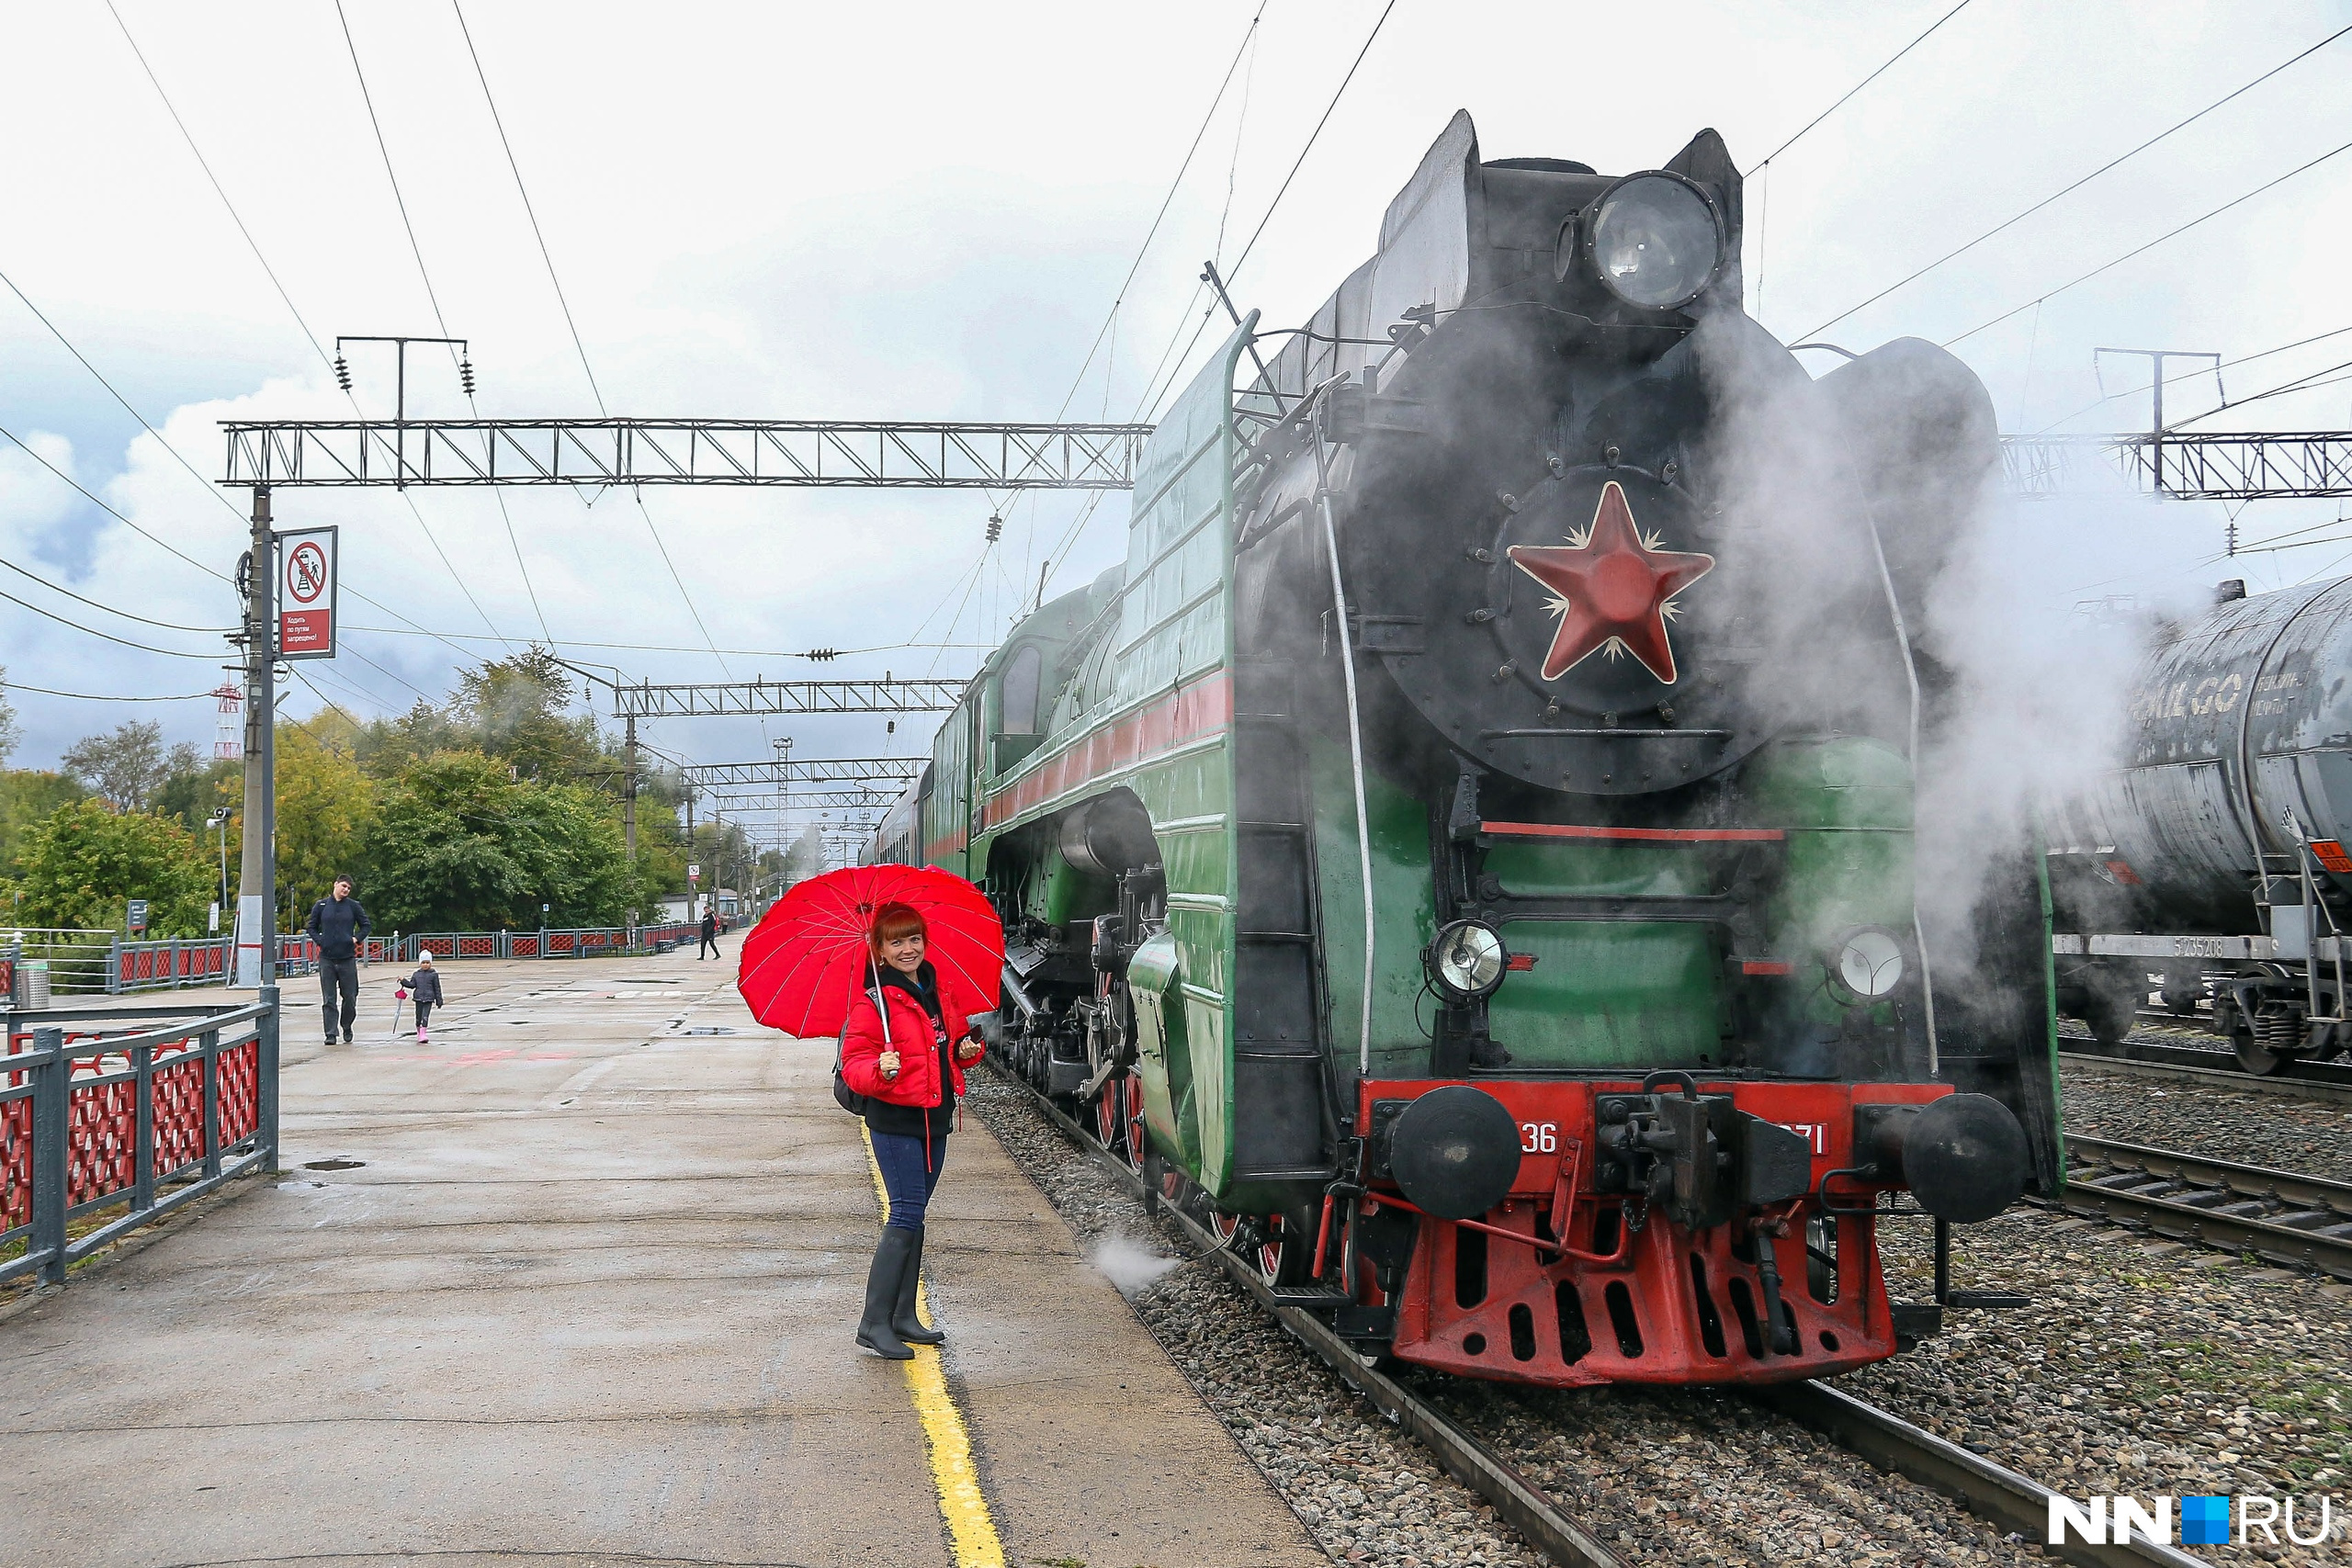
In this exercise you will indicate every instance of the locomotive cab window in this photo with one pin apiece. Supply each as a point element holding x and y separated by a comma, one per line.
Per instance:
<point>1017,701</point>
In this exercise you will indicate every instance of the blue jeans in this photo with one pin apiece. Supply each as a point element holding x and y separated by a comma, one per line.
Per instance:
<point>908,1177</point>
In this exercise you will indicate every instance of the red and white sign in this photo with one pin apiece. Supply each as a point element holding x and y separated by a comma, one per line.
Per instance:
<point>306,586</point>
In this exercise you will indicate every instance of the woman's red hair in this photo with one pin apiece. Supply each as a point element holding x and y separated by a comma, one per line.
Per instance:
<point>892,921</point>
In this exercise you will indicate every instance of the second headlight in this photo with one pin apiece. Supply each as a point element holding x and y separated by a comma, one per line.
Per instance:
<point>1467,959</point>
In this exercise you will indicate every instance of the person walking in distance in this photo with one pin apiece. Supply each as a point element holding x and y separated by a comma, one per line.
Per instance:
<point>709,935</point>
<point>905,1046</point>
<point>338,925</point>
<point>425,990</point>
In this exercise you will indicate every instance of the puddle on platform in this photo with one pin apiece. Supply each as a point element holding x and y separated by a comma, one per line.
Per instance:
<point>336,1164</point>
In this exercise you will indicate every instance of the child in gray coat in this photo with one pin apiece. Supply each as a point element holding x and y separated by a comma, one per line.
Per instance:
<point>425,990</point>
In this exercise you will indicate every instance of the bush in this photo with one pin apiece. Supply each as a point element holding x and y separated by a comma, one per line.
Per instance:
<point>85,863</point>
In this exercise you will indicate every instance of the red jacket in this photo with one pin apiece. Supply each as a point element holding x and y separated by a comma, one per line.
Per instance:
<point>910,1036</point>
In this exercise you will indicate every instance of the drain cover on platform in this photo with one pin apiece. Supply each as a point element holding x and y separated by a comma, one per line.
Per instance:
<point>332,1164</point>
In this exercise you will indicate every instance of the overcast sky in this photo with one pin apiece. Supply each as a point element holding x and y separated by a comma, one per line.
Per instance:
<point>926,211</point>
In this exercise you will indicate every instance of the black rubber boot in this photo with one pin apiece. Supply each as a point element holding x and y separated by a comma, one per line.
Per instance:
<point>903,1321</point>
<point>891,1260</point>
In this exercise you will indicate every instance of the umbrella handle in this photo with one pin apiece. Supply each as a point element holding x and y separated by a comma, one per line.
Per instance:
<point>881,1005</point>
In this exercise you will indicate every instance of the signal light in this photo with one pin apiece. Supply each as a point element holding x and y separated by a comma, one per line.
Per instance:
<point>343,372</point>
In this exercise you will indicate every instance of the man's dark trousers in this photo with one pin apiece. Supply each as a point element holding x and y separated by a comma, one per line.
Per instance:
<point>339,974</point>
<point>710,942</point>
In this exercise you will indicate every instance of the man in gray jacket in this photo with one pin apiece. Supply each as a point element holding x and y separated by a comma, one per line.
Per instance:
<point>338,925</point>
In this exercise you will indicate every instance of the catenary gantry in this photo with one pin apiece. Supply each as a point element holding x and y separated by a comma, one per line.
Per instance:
<point>2188,466</point>
<point>806,452</point>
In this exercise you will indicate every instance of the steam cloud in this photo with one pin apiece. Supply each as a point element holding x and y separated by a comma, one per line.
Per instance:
<point>1130,1266</point>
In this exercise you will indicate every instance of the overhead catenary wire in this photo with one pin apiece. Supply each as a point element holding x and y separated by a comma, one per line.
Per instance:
<point>1059,555</point>
<point>11,684</point>
<point>166,545</point>
<point>300,322</point>
<point>1807,128</point>
<point>434,299</point>
<point>2012,222</point>
<point>546,255</point>
<point>1249,35</point>
<point>109,637</point>
<point>95,604</point>
<point>2142,249</point>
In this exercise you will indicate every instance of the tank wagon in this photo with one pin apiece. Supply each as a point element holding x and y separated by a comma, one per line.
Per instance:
<point>1466,848</point>
<point>2209,871</point>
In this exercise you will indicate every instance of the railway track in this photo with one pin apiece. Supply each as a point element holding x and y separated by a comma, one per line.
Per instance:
<point>2000,1495</point>
<point>2211,1069</point>
<point>2300,1222</point>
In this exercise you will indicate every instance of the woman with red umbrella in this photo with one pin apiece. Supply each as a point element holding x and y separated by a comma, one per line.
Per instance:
<point>895,959</point>
<point>905,1046</point>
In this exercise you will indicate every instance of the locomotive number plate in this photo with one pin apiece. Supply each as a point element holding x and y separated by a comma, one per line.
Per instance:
<point>1539,1137</point>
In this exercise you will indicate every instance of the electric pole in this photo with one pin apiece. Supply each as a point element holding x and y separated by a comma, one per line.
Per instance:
<point>2156,359</point>
<point>629,797</point>
<point>257,887</point>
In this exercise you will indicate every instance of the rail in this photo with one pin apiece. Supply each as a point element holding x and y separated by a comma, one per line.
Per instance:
<point>2301,1222</point>
<point>2208,1069</point>
<point>137,1100</point>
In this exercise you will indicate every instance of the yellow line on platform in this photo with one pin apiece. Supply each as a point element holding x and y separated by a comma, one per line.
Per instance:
<point>969,1525</point>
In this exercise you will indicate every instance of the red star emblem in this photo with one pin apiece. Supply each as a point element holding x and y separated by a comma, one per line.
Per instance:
<point>1614,589</point>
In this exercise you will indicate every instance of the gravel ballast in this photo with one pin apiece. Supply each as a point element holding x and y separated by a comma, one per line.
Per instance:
<point>2141,1368</point>
<point>2311,1137</point>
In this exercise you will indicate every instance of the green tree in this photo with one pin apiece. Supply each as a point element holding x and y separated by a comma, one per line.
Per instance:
<point>126,764</point>
<point>461,842</point>
<point>26,799</point>
<point>516,710</point>
<point>85,861</point>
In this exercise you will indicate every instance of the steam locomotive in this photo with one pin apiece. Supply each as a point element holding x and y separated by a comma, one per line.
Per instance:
<point>2209,870</point>
<point>1466,851</point>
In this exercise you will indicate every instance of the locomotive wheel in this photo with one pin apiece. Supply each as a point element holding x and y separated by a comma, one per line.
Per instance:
<point>1139,1137</point>
<point>1276,1248</point>
<point>2257,1059</point>
<point>1111,1117</point>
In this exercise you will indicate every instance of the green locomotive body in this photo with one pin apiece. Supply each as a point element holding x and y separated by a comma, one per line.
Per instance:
<point>1453,728</point>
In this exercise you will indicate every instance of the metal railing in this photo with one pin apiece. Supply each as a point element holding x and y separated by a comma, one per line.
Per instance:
<point>121,968</point>
<point>178,1098</point>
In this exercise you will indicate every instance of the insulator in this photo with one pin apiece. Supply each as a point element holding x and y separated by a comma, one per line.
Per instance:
<point>821,655</point>
<point>343,372</point>
<point>996,528</point>
<point>466,376</point>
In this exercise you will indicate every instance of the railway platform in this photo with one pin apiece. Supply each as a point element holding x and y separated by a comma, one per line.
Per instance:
<point>575,1283</point>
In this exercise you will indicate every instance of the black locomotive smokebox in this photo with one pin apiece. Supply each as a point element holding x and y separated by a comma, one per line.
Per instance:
<point>1966,1157</point>
<point>1455,1151</point>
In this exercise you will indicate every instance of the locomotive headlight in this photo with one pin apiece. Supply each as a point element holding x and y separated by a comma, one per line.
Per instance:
<point>1467,959</point>
<point>1655,239</point>
<point>1867,964</point>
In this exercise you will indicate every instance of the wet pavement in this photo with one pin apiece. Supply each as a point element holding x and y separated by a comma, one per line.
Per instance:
<point>576,1283</point>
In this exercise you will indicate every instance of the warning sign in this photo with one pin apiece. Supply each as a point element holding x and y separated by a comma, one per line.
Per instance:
<point>306,588</point>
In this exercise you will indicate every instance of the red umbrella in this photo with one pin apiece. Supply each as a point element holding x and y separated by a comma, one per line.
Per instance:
<point>808,957</point>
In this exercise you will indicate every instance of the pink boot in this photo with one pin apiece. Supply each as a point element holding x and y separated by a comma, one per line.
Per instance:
<point>420,1036</point>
